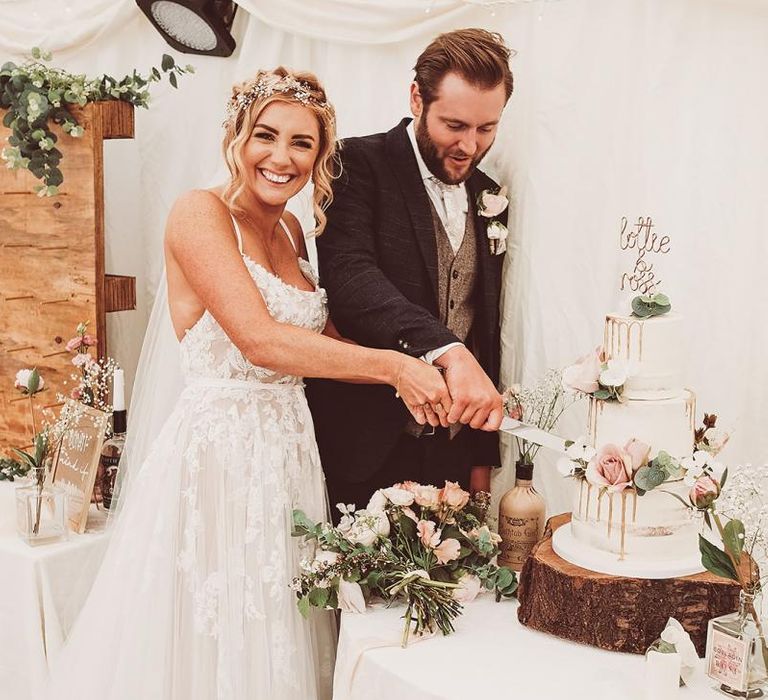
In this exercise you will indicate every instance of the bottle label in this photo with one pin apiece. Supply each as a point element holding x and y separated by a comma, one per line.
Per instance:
<point>109,464</point>
<point>518,536</point>
<point>727,660</point>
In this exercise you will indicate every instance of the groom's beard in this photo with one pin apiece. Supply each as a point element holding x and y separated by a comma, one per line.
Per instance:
<point>434,160</point>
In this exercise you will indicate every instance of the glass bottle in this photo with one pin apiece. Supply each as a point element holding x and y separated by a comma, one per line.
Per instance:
<point>112,450</point>
<point>737,654</point>
<point>521,519</point>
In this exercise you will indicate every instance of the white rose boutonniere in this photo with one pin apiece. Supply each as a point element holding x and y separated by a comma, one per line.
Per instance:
<point>489,205</point>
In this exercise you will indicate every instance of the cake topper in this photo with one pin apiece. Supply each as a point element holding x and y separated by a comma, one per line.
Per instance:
<point>645,242</point>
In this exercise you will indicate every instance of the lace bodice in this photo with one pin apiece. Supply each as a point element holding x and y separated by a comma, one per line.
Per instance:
<point>208,353</point>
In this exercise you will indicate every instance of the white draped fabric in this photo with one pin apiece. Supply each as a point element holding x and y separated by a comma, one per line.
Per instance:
<point>621,108</point>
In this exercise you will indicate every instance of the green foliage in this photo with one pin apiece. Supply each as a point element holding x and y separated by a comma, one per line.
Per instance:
<point>647,306</point>
<point>716,560</point>
<point>733,538</point>
<point>37,95</point>
<point>661,468</point>
<point>11,468</point>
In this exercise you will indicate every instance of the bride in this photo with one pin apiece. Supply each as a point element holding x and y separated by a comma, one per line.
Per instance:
<point>193,600</point>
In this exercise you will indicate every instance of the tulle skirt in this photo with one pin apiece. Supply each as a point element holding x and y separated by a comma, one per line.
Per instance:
<point>193,600</point>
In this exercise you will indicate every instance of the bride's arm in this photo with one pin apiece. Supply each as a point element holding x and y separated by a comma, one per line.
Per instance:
<point>200,238</point>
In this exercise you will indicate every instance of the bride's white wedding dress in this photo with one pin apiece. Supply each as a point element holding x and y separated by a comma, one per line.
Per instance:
<point>193,599</point>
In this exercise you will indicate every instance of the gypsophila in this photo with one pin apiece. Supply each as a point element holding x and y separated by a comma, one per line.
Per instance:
<point>268,85</point>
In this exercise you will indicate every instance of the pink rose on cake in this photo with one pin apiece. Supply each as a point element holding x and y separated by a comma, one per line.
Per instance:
<point>704,492</point>
<point>638,452</point>
<point>610,468</point>
<point>583,375</point>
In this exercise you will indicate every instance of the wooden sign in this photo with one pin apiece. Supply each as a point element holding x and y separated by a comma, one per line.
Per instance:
<point>78,461</point>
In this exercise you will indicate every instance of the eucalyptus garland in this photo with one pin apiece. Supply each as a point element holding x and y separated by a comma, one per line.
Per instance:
<point>37,95</point>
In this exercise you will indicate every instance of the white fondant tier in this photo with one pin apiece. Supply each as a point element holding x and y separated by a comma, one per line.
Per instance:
<point>654,532</point>
<point>665,424</point>
<point>654,350</point>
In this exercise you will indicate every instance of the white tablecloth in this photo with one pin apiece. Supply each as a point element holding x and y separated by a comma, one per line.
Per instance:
<point>491,655</point>
<point>41,591</point>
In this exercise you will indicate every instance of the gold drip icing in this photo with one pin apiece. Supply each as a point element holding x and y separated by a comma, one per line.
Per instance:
<point>589,498</point>
<point>581,495</point>
<point>599,503</point>
<point>634,506</point>
<point>610,513</point>
<point>619,335</point>
<point>623,523</point>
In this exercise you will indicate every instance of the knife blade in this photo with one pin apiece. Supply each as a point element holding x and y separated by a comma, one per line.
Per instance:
<point>531,433</point>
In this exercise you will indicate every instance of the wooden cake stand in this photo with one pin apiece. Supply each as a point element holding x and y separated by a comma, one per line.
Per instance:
<point>613,612</point>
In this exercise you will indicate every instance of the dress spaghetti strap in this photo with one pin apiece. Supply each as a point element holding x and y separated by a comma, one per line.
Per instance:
<point>238,234</point>
<point>290,237</point>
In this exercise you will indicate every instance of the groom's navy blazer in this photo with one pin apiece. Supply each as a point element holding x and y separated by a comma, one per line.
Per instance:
<point>378,263</point>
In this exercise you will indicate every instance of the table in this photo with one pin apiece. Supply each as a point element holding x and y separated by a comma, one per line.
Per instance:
<point>491,655</point>
<point>41,591</point>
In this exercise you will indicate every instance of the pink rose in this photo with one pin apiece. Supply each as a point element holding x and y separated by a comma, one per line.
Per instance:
<point>493,204</point>
<point>638,452</point>
<point>610,468</point>
<point>429,538</point>
<point>427,496</point>
<point>453,495</point>
<point>704,492</point>
<point>74,343</point>
<point>583,375</point>
<point>90,340</point>
<point>447,550</point>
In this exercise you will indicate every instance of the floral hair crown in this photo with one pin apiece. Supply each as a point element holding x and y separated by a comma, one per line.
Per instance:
<point>268,85</point>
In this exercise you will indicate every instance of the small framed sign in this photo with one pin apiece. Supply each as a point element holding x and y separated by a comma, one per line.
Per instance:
<point>78,461</point>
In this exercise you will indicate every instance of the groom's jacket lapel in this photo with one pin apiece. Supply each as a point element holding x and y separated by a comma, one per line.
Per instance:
<point>406,172</point>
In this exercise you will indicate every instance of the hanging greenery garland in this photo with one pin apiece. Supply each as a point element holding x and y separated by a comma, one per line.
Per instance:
<point>36,95</point>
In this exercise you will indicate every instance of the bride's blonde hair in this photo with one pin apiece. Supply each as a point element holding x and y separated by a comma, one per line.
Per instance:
<point>247,102</point>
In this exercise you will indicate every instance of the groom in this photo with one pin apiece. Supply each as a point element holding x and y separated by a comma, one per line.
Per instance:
<point>408,265</point>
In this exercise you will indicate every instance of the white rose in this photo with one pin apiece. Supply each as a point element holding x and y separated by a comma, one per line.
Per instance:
<point>23,377</point>
<point>367,528</point>
<point>400,497</point>
<point>323,556</point>
<point>469,587</point>
<point>351,599</point>
<point>716,439</point>
<point>615,374</point>
<point>377,502</point>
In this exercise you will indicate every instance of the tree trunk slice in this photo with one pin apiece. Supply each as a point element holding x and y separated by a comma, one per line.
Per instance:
<point>612,612</point>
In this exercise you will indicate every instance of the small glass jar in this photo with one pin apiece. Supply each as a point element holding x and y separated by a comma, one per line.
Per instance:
<point>41,511</point>
<point>737,653</point>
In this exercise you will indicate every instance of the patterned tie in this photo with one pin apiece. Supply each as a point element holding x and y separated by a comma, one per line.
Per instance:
<point>455,204</point>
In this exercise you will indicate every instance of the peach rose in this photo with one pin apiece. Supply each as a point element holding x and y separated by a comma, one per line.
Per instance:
<point>426,530</point>
<point>453,495</point>
<point>638,452</point>
<point>583,375</point>
<point>74,343</point>
<point>704,492</point>
<point>610,468</point>
<point>447,550</point>
<point>427,496</point>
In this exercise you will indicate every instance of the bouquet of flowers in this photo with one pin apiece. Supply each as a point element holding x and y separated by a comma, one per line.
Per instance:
<point>94,375</point>
<point>425,546</point>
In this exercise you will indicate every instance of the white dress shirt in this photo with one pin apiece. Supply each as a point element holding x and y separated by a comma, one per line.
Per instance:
<point>450,202</point>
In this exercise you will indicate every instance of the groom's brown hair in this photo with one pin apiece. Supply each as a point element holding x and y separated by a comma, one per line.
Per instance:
<point>480,57</point>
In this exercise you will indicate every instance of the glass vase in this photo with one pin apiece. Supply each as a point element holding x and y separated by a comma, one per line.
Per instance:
<point>41,511</point>
<point>737,654</point>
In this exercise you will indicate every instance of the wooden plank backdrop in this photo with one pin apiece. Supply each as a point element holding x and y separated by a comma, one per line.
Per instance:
<point>52,265</point>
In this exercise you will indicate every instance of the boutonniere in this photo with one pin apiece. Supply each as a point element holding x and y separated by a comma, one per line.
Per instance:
<point>489,205</point>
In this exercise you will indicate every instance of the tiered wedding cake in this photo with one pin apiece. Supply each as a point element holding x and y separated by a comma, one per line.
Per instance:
<point>625,530</point>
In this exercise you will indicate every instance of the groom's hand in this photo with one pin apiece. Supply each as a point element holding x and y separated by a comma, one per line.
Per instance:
<point>475,400</point>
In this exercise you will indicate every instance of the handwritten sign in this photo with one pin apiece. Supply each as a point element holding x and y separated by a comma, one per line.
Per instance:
<point>644,242</point>
<point>78,460</point>
<point>727,660</point>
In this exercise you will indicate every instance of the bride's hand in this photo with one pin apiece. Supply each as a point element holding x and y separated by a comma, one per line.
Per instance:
<point>424,392</point>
